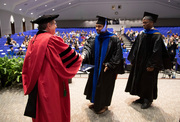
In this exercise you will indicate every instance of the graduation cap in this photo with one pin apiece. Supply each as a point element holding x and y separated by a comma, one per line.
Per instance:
<point>44,19</point>
<point>152,16</point>
<point>102,20</point>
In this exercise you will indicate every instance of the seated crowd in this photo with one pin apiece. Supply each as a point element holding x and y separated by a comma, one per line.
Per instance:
<point>75,39</point>
<point>12,53</point>
<point>25,43</point>
<point>170,39</point>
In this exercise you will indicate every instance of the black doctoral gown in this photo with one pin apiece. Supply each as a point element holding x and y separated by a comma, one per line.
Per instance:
<point>106,80</point>
<point>147,51</point>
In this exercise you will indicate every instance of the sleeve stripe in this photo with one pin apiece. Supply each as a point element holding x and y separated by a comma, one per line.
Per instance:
<point>70,64</point>
<point>69,57</point>
<point>156,33</point>
<point>65,52</point>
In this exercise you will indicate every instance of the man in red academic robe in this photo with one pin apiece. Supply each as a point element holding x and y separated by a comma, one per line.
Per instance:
<point>48,65</point>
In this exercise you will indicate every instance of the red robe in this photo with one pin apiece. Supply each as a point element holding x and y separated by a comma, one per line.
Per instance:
<point>50,62</point>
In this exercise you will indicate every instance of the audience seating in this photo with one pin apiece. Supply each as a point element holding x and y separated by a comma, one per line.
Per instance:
<point>164,31</point>
<point>19,39</point>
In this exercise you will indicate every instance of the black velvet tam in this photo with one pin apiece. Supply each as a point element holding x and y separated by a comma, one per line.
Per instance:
<point>44,19</point>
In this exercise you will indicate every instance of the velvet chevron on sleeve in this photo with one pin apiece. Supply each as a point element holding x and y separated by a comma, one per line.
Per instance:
<point>63,58</point>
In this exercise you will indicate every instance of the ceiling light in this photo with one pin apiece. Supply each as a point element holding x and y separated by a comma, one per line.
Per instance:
<point>69,3</point>
<point>39,16</point>
<point>20,9</point>
<point>23,19</point>
<point>45,5</point>
<point>31,13</point>
<point>4,4</point>
<point>35,0</point>
<point>53,9</point>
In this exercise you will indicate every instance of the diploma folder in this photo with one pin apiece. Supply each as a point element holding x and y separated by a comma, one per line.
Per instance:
<point>86,67</point>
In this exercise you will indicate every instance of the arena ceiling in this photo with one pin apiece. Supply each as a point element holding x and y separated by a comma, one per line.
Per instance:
<point>88,9</point>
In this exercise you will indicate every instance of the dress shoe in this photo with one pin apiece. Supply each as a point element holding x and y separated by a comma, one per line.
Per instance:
<point>146,104</point>
<point>91,106</point>
<point>102,110</point>
<point>139,101</point>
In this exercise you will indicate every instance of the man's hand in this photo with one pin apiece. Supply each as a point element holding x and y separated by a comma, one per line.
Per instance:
<point>106,68</point>
<point>150,69</point>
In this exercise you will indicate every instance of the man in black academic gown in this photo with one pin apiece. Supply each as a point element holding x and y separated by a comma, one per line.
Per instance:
<point>105,53</point>
<point>147,56</point>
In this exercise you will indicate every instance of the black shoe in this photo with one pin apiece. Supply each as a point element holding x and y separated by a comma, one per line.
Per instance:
<point>139,101</point>
<point>102,110</point>
<point>91,106</point>
<point>146,104</point>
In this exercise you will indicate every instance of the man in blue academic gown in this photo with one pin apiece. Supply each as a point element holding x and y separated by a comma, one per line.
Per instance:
<point>105,53</point>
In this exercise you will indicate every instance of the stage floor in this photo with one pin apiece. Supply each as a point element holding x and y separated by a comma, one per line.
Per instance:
<point>165,109</point>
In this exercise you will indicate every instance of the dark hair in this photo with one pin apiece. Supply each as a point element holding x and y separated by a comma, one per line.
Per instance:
<point>42,26</point>
<point>8,40</point>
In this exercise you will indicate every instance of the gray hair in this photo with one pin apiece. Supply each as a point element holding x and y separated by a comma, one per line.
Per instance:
<point>148,18</point>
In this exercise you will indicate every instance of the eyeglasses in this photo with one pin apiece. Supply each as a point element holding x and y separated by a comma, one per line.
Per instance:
<point>55,24</point>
